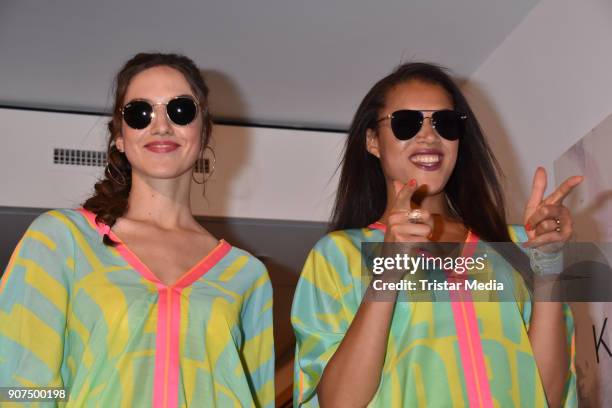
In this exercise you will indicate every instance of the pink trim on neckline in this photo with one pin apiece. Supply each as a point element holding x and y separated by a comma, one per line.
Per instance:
<point>468,334</point>
<point>468,337</point>
<point>186,279</point>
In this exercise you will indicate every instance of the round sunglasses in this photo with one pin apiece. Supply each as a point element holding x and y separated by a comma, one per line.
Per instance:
<point>406,123</point>
<point>139,113</point>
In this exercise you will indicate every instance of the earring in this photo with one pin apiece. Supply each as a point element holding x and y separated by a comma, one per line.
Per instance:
<point>205,169</point>
<point>109,174</point>
<point>212,165</point>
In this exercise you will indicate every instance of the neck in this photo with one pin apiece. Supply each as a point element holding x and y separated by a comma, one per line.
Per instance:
<point>161,202</point>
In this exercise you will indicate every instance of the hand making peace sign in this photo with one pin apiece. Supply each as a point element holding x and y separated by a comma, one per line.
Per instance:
<point>547,221</point>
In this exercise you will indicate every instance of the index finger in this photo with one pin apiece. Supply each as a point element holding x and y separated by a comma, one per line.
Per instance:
<point>557,196</point>
<point>403,194</point>
<point>537,190</point>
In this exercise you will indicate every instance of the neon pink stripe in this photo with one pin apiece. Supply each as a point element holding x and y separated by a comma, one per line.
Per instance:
<point>469,372</point>
<point>204,265</point>
<point>464,349</point>
<point>167,341</point>
<point>175,335</point>
<point>199,269</point>
<point>468,337</point>
<point>481,369</point>
<point>134,262</point>
<point>159,387</point>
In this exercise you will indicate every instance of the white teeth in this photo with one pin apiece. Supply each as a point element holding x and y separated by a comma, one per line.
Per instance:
<point>426,158</point>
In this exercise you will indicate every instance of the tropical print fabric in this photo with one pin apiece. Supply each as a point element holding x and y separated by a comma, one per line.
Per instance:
<point>94,320</point>
<point>439,354</point>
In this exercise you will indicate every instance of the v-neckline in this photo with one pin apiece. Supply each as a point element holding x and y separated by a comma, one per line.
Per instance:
<point>187,278</point>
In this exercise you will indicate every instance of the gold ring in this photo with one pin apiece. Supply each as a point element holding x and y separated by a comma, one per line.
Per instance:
<point>415,216</point>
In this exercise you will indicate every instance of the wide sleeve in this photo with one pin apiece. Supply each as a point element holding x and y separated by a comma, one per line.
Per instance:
<point>34,294</point>
<point>258,349</point>
<point>321,314</point>
<point>519,235</point>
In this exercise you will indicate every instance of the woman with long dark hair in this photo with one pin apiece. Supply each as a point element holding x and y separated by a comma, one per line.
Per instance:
<point>417,168</point>
<point>129,301</point>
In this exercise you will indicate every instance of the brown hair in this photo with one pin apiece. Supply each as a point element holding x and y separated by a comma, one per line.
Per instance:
<point>110,199</point>
<point>473,189</point>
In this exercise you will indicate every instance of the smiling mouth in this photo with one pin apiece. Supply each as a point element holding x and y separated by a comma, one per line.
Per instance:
<point>162,147</point>
<point>427,161</point>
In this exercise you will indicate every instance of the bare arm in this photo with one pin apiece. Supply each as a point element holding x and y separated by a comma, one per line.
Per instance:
<point>548,337</point>
<point>549,227</point>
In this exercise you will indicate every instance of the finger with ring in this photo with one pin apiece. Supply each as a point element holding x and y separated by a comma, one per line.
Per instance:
<point>415,216</point>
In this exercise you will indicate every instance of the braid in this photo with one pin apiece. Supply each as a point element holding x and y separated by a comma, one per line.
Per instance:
<point>110,199</point>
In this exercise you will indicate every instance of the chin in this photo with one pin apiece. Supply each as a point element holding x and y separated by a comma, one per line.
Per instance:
<point>164,173</point>
<point>435,184</point>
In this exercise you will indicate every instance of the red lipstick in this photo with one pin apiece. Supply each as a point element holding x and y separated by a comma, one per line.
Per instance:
<point>162,147</point>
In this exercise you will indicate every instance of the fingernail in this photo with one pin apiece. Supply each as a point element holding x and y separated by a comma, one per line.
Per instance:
<point>412,183</point>
<point>528,227</point>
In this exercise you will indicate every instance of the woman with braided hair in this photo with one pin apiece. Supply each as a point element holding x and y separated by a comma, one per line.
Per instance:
<point>129,301</point>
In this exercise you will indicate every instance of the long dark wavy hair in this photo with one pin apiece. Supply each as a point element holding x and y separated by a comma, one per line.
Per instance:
<point>473,189</point>
<point>110,199</point>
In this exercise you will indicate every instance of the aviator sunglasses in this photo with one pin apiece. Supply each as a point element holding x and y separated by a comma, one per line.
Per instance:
<point>407,123</point>
<point>181,111</point>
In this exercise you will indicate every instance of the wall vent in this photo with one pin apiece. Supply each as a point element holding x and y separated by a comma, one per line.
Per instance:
<point>75,157</point>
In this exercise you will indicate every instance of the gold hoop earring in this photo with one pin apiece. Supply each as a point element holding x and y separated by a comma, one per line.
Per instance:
<point>211,170</point>
<point>204,167</point>
<point>109,174</point>
<point>198,166</point>
<point>193,177</point>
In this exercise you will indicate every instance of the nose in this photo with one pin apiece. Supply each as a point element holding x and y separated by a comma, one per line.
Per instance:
<point>159,123</point>
<point>427,133</point>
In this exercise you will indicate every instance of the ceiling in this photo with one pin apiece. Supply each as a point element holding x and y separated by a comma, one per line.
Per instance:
<point>285,62</point>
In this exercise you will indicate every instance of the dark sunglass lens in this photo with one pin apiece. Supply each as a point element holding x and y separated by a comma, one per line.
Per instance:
<point>449,124</point>
<point>182,111</point>
<point>406,123</point>
<point>137,114</point>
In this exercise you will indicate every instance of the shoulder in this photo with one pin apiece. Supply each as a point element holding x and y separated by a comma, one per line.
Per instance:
<point>338,255</point>
<point>239,258</point>
<point>57,218</point>
<point>62,225</point>
<point>347,240</point>
<point>59,222</point>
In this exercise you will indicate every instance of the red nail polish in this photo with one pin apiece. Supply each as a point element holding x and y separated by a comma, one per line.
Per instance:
<point>412,183</point>
<point>528,227</point>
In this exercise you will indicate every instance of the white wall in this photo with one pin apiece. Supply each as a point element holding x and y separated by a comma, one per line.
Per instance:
<point>259,172</point>
<point>544,87</point>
